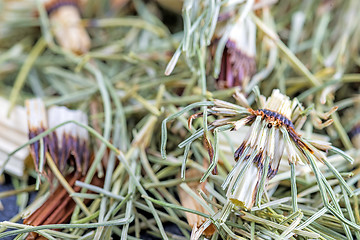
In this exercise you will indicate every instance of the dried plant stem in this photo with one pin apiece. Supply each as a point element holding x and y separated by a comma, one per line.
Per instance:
<point>142,191</point>
<point>265,222</point>
<point>24,71</point>
<point>17,191</point>
<point>125,22</point>
<point>41,164</point>
<point>308,50</point>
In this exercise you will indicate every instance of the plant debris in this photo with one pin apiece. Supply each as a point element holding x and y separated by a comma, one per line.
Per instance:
<point>180,119</point>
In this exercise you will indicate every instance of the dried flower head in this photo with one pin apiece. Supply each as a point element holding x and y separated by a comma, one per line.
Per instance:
<point>238,63</point>
<point>37,123</point>
<point>273,129</point>
<point>66,142</point>
<point>65,18</point>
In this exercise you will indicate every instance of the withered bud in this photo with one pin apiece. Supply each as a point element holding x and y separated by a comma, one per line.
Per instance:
<point>65,19</point>
<point>238,63</point>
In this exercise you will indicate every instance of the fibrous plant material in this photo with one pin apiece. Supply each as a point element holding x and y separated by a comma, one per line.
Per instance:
<point>64,19</point>
<point>59,207</point>
<point>354,135</point>
<point>308,50</point>
<point>10,11</point>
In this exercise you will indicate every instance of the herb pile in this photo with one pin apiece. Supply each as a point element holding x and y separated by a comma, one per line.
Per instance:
<point>219,119</point>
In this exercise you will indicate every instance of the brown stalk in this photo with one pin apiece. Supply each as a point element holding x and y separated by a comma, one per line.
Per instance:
<point>59,207</point>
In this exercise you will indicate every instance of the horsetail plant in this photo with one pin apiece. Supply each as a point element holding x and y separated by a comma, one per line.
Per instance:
<point>273,130</point>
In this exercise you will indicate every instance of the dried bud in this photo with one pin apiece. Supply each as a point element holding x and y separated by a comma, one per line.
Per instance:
<point>238,63</point>
<point>68,140</point>
<point>65,19</point>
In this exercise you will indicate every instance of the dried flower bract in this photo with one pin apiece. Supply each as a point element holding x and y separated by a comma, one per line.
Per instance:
<point>238,63</point>
<point>66,142</point>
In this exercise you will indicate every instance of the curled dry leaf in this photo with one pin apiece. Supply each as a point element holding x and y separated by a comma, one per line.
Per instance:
<point>195,221</point>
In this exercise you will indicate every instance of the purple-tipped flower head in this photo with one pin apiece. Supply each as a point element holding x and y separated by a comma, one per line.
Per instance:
<point>238,63</point>
<point>67,141</point>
